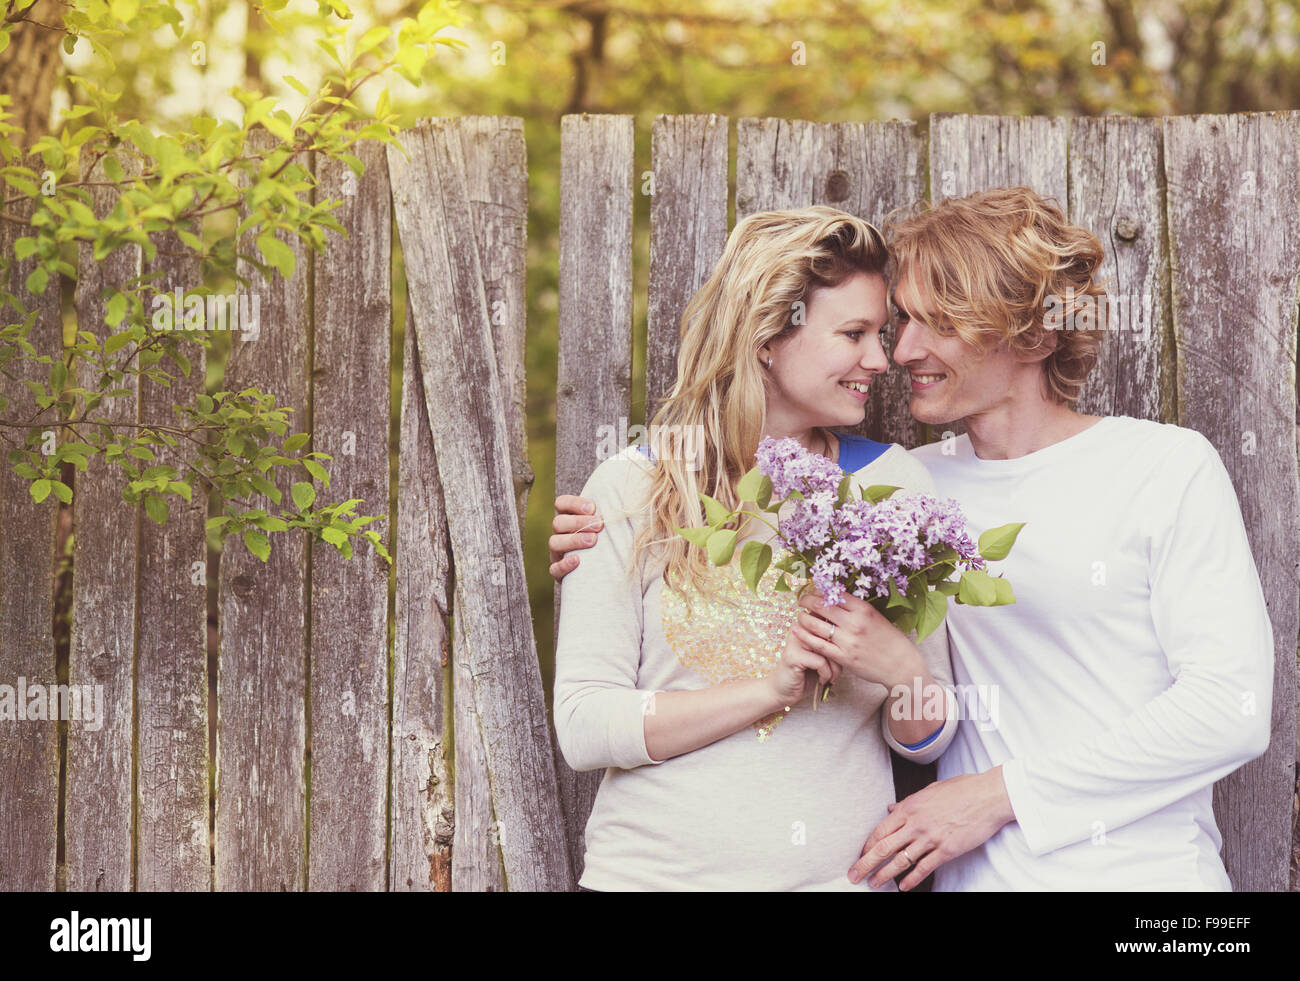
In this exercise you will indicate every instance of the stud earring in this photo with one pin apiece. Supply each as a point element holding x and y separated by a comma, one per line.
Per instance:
<point>769,364</point>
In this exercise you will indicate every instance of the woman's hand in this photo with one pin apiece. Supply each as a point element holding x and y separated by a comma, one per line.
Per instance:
<point>863,641</point>
<point>789,679</point>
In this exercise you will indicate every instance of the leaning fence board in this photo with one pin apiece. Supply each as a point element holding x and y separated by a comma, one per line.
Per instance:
<point>174,850</point>
<point>688,229</point>
<point>492,149</point>
<point>595,358</point>
<point>261,679</point>
<point>454,337</point>
<point>478,840</point>
<point>1117,192</point>
<point>1234,205</point>
<point>866,169</point>
<point>496,178</point>
<point>349,596</point>
<point>29,749</point>
<point>101,655</point>
<point>422,803</point>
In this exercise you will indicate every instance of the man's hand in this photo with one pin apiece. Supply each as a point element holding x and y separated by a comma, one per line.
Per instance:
<point>934,825</point>
<point>576,525</point>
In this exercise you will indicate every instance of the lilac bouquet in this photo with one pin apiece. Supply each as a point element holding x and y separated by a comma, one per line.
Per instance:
<point>898,554</point>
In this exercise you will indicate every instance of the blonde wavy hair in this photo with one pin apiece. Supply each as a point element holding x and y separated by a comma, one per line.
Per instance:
<point>772,263</point>
<point>990,261</point>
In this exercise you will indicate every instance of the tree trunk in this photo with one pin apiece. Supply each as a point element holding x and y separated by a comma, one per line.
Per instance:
<point>28,67</point>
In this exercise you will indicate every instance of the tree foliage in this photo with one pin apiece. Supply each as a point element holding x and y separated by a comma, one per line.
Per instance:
<point>170,179</point>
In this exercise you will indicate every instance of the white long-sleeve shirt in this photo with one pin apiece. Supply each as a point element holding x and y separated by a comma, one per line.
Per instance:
<point>1134,670</point>
<point>779,806</point>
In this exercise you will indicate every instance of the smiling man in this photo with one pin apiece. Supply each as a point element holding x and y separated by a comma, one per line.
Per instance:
<point>1135,668</point>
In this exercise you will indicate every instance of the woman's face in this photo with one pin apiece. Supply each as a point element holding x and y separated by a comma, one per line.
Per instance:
<point>820,372</point>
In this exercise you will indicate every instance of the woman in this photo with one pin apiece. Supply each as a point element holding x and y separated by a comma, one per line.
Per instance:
<point>694,695</point>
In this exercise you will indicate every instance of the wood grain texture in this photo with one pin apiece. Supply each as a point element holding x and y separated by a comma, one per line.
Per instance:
<point>471,438</point>
<point>866,169</point>
<point>1234,203</point>
<point>479,837</point>
<point>688,230</point>
<point>352,327</point>
<point>595,345</point>
<point>101,656</point>
<point>261,679</point>
<point>1117,192</point>
<point>496,182</point>
<point>422,798</point>
<point>29,749</point>
<point>174,842</point>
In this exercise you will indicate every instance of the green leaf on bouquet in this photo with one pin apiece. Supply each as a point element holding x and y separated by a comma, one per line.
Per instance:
<point>916,593</point>
<point>947,587</point>
<point>714,512</point>
<point>996,542</point>
<point>936,608</point>
<point>755,486</point>
<point>878,492</point>
<point>696,536</point>
<point>782,586</point>
<point>940,572</point>
<point>721,546</point>
<point>896,599</point>
<point>755,557</point>
<point>977,588</point>
<point>906,622</point>
<point>1006,595</point>
<point>842,492</point>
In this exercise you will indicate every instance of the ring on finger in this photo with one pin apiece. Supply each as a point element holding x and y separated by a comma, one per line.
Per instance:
<point>910,863</point>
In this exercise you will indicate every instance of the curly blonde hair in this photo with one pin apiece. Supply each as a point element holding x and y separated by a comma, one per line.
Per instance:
<point>992,262</point>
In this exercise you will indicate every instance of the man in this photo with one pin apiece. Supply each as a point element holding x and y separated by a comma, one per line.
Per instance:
<point>1135,668</point>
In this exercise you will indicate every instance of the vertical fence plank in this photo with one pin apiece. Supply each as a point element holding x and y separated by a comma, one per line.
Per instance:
<point>261,683</point>
<point>423,814</point>
<point>174,849</point>
<point>349,597</point>
<point>595,349</point>
<point>29,749</point>
<point>1117,191</point>
<point>688,230</point>
<point>866,169</point>
<point>98,812</point>
<point>1234,205</point>
<point>476,846</point>
<point>496,177</point>
<point>977,153</point>
<point>496,180</point>
<point>471,438</point>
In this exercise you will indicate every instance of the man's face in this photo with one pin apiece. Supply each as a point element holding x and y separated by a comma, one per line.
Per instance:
<point>821,372</point>
<point>950,378</point>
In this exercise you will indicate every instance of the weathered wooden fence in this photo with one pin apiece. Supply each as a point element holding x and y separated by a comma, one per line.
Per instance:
<point>342,765</point>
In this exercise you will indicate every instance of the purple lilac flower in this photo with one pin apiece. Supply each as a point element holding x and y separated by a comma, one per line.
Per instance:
<point>860,547</point>
<point>790,467</point>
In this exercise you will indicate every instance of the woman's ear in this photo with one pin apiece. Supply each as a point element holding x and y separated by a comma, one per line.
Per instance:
<point>765,355</point>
